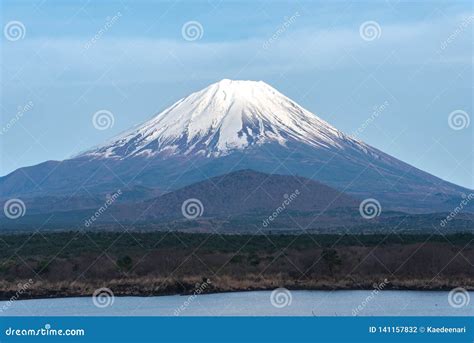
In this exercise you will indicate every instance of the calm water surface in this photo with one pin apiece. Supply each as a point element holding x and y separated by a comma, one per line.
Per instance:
<point>303,303</point>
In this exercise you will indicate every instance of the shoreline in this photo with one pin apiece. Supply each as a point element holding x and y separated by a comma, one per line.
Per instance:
<point>7,295</point>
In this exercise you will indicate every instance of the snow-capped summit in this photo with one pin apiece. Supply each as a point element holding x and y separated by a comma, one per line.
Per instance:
<point>225,116</point>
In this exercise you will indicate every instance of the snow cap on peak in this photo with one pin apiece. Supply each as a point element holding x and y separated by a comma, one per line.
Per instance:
<point>228,83</point>
<point>225,116</point>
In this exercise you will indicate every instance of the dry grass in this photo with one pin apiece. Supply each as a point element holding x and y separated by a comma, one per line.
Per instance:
<point>146,286</point>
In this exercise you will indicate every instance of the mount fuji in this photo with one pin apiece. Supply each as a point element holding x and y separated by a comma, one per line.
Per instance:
<point>225,127</point>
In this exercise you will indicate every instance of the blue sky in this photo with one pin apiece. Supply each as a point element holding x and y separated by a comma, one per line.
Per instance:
<point>420,66</point>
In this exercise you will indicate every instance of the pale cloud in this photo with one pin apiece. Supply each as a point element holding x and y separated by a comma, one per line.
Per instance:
<point>68,61</point>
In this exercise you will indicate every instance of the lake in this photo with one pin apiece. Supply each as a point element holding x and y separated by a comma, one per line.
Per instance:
<point>261,303</point>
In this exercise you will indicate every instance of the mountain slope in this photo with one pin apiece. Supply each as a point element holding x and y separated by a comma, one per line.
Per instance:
<point>247,191</point>
<point>238,202</point>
